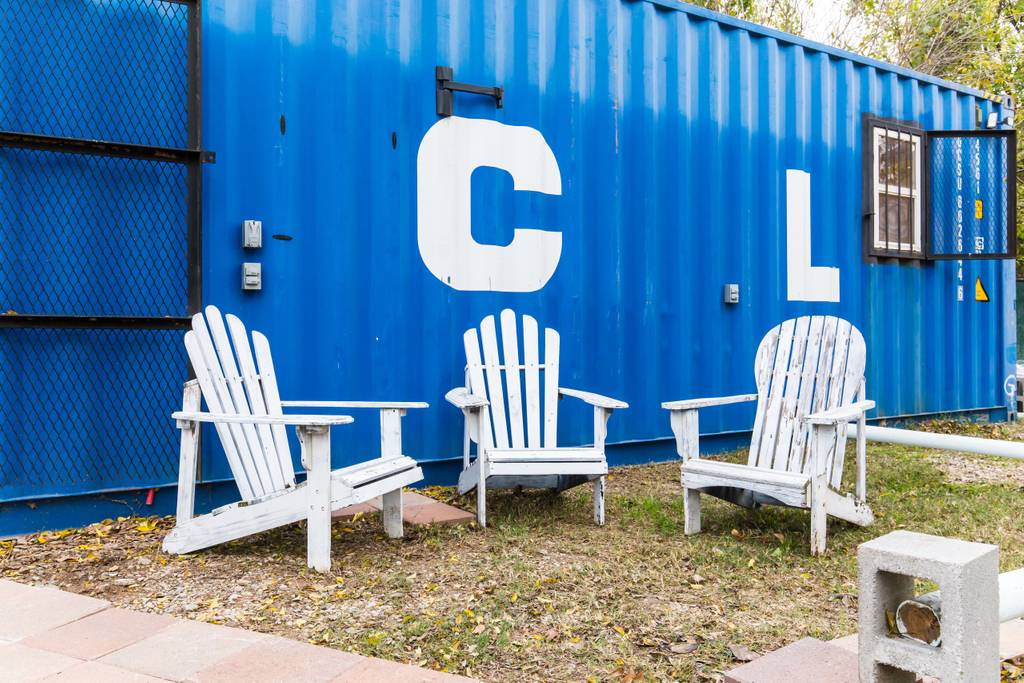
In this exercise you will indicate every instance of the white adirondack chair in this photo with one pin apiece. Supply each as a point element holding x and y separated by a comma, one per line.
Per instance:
<point>510,452</point>
<point>246,410</point>
<point>810,384</point>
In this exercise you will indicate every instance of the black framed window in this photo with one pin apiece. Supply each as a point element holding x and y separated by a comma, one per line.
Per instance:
<point>894,181</point>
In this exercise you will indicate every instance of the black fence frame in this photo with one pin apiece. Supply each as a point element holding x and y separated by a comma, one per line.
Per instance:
<point>1011,193</point>
<point>193,157</point>
<point>926,252</point>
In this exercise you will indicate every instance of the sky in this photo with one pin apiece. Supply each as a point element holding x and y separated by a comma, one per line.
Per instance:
<point>822,17</point>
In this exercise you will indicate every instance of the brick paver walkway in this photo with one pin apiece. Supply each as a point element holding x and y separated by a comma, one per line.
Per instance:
<point>416,509</point>
<point>48,634</point>
<point>813,661</point>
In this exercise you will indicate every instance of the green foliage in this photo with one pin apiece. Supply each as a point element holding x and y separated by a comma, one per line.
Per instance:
<point>785,15</point>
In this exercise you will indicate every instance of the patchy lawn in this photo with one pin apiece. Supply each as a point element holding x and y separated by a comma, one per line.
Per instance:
<point>543,594</point>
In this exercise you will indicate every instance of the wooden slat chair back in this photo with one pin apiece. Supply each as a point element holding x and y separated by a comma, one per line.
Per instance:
<point>510,404</point>
<point>809,373</point>
<point>239,384</point>
<point>521,390</point>
<point>232,383</point>
<point>803,366</point>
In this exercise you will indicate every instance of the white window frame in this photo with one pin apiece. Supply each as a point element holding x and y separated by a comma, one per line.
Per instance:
<point>897,190</point>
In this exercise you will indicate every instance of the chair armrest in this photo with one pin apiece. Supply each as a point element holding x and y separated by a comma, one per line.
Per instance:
<point>840,414</point>
<point>382,405</point>
<point>296,420</point>
<point>695,403</point>
<point>461,398</point>
<point>596,400</point>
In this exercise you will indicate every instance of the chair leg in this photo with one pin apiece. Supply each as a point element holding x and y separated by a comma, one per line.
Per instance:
<point>393,514</point>
<point>318,492</point>
<point>599,501</point>
<point>691,511</point>
<point>481,500</point>
<point>819,519</point>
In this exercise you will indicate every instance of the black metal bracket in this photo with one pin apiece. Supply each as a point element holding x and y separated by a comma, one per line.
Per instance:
<point>51,143</point>
<point>446,89</point>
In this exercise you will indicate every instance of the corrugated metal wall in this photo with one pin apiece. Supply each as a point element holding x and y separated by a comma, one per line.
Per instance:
<point>672,132</point>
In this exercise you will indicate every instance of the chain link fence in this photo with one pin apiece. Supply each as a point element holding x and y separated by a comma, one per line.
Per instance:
<point>97,241</point>
<point>970,195</point>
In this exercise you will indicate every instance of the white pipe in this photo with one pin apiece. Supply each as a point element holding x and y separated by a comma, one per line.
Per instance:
<point>1011,596</point>
<point>949,442</point>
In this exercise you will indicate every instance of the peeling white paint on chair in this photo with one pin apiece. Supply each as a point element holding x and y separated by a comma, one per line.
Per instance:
<point>810,384</point>
<point>247,413</point>
<point>504,419</point>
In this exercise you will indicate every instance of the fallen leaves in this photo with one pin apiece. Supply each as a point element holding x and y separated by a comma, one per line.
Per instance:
<point>148,526</point>
<point>684,648</point>
<point>741,653</point>
<point>541,594</point>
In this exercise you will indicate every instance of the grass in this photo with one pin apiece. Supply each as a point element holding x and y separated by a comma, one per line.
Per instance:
<point>543,594</point>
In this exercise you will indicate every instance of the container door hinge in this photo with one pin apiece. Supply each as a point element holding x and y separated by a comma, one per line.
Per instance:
<point>446,88</point>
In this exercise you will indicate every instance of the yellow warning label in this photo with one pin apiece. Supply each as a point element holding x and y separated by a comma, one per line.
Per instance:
<point>979,209</point>
<point>979,291</point>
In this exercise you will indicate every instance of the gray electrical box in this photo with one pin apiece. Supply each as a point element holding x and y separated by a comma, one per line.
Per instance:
<point>252,234</point>
<point>252,276</point>
<point>731,294</point>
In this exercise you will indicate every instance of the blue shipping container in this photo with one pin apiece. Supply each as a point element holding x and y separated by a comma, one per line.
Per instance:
<point>641,160</point>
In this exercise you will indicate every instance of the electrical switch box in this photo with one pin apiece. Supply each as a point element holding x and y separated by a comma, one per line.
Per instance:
<point>731,294</point>
<point>252,234</point>
<point>252,276</point>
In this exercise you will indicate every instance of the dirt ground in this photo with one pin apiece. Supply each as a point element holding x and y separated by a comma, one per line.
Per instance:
<point>543,594</point>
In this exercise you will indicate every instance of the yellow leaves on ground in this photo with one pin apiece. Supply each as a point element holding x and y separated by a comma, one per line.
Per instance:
<point>48,536</point>
<point>147,526</point>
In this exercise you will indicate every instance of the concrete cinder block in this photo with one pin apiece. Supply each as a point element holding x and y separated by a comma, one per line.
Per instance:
<point>968,578</point>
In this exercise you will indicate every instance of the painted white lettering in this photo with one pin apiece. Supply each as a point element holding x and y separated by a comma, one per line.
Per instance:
<point>449,153</point>
<point>804,281</point>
